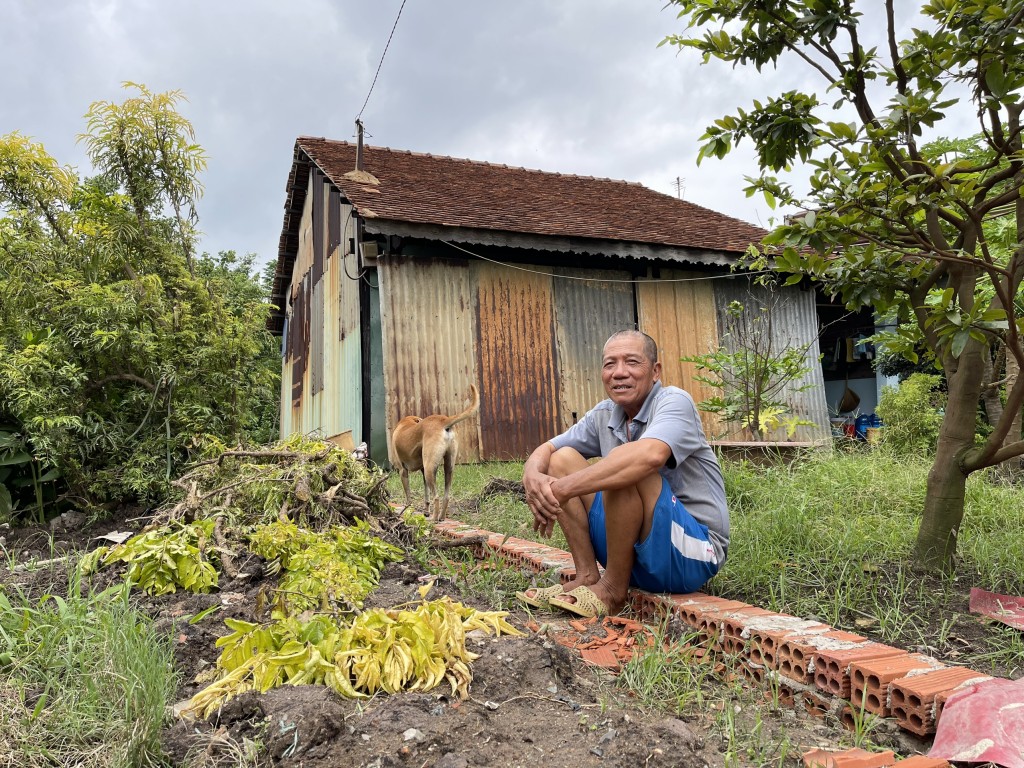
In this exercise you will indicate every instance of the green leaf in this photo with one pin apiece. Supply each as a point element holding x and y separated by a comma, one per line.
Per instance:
<point>960,340</point>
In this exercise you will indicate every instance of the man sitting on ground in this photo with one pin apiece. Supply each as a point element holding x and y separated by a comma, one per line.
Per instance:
<point>652,510</point>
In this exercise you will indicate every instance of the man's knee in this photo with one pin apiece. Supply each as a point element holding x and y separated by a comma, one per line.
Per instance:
<point>648,489</point>
<point>565,461</point>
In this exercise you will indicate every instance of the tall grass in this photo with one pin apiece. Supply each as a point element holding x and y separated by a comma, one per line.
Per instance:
<point>85,681</point>
<point>830,537</point>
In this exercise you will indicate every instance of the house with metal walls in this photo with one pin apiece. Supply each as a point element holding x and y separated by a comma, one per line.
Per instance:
<point>402,278</point>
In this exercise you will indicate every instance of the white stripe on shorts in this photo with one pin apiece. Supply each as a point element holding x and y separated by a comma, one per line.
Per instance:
<point>691,547</point>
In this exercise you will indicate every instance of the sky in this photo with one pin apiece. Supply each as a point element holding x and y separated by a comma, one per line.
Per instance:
<point>571,86</point>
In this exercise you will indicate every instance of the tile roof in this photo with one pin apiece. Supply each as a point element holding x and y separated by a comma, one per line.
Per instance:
<point>428,189</point>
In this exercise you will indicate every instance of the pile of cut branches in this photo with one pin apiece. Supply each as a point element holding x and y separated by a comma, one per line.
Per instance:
<point>312,483</point>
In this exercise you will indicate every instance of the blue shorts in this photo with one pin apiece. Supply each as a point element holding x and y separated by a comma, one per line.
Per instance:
<point>676,557</point>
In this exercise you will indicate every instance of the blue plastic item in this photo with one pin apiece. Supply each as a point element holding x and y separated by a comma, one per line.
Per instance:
<point>861,426</point>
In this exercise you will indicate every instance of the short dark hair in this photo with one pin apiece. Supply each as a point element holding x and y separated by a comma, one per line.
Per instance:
<point>650,345</point>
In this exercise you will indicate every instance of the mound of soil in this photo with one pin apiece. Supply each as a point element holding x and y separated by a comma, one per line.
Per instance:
<point>532,700</point>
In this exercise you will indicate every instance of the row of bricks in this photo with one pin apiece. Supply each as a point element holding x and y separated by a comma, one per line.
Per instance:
<point>872,677</point>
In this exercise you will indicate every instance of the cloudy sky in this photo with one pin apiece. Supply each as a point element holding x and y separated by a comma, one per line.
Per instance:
<point>574,86</point>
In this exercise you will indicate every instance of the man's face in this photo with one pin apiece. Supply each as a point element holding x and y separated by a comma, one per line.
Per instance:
<point>627,374</point>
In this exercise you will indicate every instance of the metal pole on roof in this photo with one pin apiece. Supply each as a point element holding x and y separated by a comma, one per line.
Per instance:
<point>359,144</point>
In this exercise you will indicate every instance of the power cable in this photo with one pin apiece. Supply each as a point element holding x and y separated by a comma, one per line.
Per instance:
<point>730,276</point>
<point>381,62</point>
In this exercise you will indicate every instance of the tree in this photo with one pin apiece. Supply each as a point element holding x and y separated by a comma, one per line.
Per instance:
<point>122,353</point>
<point>755,369</point>
<point>889,220</point>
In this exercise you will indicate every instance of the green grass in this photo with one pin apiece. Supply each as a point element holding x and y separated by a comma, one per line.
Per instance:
<point>85,681</point>
<point>500,513</point>
<point>829,538</point>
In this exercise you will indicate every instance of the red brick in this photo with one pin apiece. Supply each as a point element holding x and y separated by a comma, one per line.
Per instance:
<point>849,758</point>
<point>731,624</point>
<point>912,700</point>
<point>797,652</point>
<point>694,607</point>
<point>870,678</point>
<point>601,657</point>
<point>922,761</point>
<point>815,705</point>
<point>767,633</point>
<point>832,666</point>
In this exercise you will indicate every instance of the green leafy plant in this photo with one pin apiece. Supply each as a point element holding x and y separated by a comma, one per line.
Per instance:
<point>755,371</point>
<point>163,560</point>
<point>339,566</point>
<point>123,352</point>
<point>912,414</point>
<point>393,650</point>
<point>25,484</point>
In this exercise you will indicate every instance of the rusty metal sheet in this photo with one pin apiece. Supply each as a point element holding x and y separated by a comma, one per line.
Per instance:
<point>794,324</point>
<point>427,318</point>
<point>678,312</point>
<point>517,363</point>
<point>587,312</point>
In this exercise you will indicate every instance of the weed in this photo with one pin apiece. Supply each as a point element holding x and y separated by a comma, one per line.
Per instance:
<point>85,670</point>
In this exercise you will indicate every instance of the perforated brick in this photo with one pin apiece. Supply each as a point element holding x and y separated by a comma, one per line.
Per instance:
<point>870,678</point>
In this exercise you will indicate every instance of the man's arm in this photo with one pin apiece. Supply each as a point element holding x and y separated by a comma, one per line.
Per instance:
<point>624,465</point>
<point>537,484</point>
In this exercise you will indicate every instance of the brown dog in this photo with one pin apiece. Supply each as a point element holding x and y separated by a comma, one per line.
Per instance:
<point>422,445</point>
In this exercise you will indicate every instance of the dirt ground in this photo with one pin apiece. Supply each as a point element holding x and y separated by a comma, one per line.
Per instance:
<point>532,701</point>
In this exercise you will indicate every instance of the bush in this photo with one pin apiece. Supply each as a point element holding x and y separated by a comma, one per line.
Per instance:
<point>912,414</point>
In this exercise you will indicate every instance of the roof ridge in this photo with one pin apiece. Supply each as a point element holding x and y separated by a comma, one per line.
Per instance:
<point>470,161</point>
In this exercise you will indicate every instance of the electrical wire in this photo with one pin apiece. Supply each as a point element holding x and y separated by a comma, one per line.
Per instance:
<point>381,62</point>
<point>607,279</point>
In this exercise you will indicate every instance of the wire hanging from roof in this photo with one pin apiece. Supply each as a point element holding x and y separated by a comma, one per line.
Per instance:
<point>729,276</point>
<point>381,62</point>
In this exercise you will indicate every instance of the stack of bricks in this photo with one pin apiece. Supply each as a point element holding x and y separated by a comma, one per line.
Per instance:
<point>811,661</point>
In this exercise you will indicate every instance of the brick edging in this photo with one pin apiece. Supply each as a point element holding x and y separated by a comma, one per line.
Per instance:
<point>810,660</point>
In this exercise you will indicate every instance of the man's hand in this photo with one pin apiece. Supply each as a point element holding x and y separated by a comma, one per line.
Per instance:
<point>539,495</point>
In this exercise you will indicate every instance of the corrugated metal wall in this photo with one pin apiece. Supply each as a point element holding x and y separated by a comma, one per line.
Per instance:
<point>531,341</point>
<point>428,315</point>
<point>794,324</point>
<point>587,312</point>
<point>516,354</point>
<point>322,360</point>
<point>680,316</point>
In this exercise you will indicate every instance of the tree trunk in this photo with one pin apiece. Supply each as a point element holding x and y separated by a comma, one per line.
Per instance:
<point>947,480</point>
<point>1011,470</point>
<point>990,392</point>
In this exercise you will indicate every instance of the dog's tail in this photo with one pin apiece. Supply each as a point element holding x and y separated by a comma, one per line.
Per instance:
<point>468,412</point>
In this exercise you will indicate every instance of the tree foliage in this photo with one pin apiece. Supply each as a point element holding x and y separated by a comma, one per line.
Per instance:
<point>122,353</point>
<point>931,233</point>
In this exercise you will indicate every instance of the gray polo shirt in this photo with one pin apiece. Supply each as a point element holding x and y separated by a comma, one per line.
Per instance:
<point>670,415</point>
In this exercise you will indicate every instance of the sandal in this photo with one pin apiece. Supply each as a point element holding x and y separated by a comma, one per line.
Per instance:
<point>541,596</point>
<point>587,603</point>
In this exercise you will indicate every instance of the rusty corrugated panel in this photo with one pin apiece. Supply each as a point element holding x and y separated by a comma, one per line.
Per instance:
<point>587,312</point>
<point>678,312</point>
<point>300,340</point>
<point>427,317</point>
<point>794,324</point>
<point>517,362</point>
